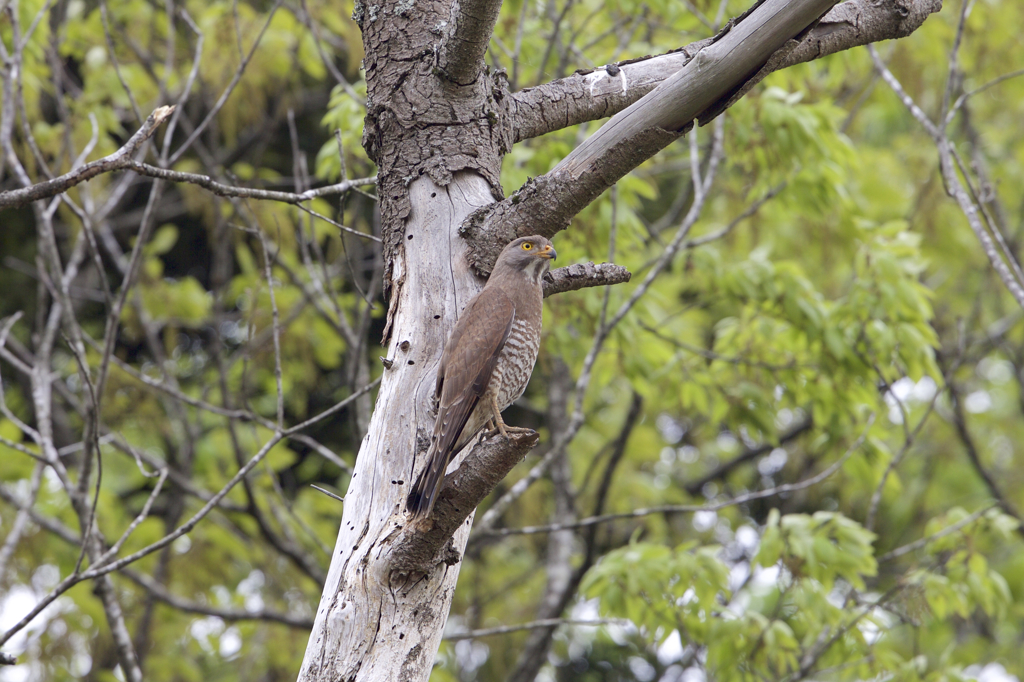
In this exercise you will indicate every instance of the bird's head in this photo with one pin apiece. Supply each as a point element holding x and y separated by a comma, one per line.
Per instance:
<point>531,255</point>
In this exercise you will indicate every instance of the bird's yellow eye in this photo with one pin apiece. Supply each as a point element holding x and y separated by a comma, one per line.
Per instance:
<point>527,246</point>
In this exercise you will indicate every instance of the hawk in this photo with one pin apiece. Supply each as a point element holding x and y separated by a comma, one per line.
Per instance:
<point>487,360</point>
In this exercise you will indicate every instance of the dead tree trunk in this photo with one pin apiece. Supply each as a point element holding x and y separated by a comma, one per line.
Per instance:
<point>438,124</point>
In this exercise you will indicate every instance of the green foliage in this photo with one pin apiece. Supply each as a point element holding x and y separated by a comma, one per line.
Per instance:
<point>823,547</point>
<point>344,115</point>
<point>768,626</point>
<point>757,630</point>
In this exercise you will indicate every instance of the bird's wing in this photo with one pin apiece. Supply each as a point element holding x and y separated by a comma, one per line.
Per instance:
<point>464,374</point>
<point>469,359</point>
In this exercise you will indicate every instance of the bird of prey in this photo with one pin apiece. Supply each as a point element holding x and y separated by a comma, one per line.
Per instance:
<point>487,360</point>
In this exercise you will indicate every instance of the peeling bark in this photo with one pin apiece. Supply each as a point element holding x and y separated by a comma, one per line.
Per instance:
<point>419,123</point>
<point>470,28</point>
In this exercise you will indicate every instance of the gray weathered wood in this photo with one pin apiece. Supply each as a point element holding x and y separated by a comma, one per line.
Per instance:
<point>711,75</point>
<point>589,95</point>
<point>371,624</point>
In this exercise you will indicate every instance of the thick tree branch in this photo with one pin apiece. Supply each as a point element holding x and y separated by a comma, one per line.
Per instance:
<point>696,92</point>
<point>122,158</point>
<point>419,547</point>
<point>471,25</point>
<point>583,275</point>
<point>769,38</point>
<point>592,95</point>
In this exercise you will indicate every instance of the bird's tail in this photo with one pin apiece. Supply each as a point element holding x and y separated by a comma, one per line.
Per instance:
<point>424,493</point>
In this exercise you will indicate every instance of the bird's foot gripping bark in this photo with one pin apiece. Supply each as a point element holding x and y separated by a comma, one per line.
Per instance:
<point>504,429</point>
<point>497,425</point>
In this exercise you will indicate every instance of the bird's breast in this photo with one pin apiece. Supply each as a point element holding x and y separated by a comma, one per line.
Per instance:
<point>515,365</point>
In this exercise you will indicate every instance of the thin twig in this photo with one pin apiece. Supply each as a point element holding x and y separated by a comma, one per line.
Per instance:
<point>687,508</point>
<point>228,90</point>
<point>952,181</point>
<point>142,516</point>
<point>948,530</point>
<point>533,625</point>
<point>21,519</point>
<point>981,88</point>
<point>222,190</point>
<point>328,493</point>
<point>120,159</point>
<point>100,570</point>
<point>276,322</point>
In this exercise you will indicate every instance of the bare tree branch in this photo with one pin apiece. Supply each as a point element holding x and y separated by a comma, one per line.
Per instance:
<point>152,586</point>
<point>1003,261</point>
<point>960,422</point>
<point>698,92</point>
<point>164,595</point>
<point>101,570</point>
<point>592,95</point>
<point>222,190</point>
<point>583,275</point>
<point>723,469</point>
<point>224,95</point>
<point>532,625</point>
<point>948,530</point>
<point>688,508</point>
<point>418,547</point>
<point>21,519</point>
<point>122,158</point>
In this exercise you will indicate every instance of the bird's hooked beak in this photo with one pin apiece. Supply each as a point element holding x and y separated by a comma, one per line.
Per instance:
<point>548,252</point>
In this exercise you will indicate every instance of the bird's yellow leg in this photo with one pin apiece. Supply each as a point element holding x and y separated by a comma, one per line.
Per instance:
<point>500,424</point>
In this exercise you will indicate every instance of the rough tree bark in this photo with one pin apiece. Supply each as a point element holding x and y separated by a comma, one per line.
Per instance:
<point>438,124</point>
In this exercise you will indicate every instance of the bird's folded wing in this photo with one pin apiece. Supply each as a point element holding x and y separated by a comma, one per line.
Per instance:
<point>468,362</point>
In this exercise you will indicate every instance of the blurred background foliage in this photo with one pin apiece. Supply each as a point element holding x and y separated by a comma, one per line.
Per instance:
<point>830,309</point>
